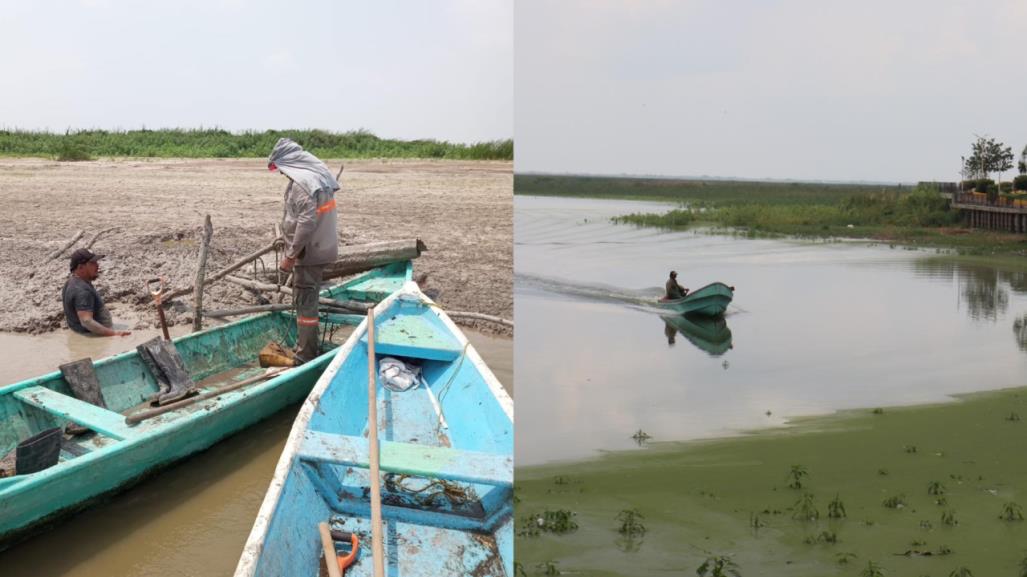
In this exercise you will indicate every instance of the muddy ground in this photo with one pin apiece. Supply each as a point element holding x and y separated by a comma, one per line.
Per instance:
<point>462,210</point>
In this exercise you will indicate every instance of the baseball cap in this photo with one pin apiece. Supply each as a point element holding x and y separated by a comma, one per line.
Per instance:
<point>82,256</point>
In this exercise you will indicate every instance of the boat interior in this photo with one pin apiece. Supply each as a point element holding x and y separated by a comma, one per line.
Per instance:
<point>446,449</point>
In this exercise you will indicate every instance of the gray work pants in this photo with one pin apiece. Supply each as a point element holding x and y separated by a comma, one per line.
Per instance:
<point>306,285</point>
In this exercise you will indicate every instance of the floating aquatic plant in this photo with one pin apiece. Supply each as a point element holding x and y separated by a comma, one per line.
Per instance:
<point>1011,512</point>
<point>910,449</point>
<point>805,509</point>
<point>829,537</point>
<point>795,476</point>
<point>836,509</point>
<point>949,518</point>
<point>548,568</point>
<point>630,523</point>
<point>718,566</point>
<point>895,501</point>
<point>1013,417</point>
<point>560,521</point>
<point>878,411</point>
<point>961,572</point>
<point>519,569</point>
<point>641,437</point>
<point>755,523</point>
<point>872,570</point>
<point>844,558</point>
<point>935,488</point>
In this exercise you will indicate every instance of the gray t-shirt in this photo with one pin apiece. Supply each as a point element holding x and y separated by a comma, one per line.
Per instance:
<point>79,295</point>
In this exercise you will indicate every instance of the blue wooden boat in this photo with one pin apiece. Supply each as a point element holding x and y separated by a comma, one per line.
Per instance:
<point>710,300</point>
<point>117,453</point>
<point>446,460</point>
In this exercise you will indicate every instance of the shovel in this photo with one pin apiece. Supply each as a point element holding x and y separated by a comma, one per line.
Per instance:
<point>156,294</point>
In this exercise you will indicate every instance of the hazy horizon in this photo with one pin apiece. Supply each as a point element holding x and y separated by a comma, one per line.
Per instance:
<point>793,90</point>
<point>400,69</point>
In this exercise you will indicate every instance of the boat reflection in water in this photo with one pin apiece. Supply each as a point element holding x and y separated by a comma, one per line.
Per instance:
<point>710,334</point>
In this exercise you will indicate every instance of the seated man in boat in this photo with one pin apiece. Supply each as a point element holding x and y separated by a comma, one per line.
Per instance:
<point>83,308</point>
<point>674,290</point>
<point>310,228</point>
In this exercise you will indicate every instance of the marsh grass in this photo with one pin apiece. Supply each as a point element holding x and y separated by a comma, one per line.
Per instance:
<point>217,143</point>
<point>718,566</point>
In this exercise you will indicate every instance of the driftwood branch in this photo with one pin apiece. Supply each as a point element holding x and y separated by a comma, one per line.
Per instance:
<point>201,270</point>
<point>266,308</point>
<point>480,317</point>
<point>255,285</point>
<point>96,236</point>
<point>66,246</point>
<point>223,272</point>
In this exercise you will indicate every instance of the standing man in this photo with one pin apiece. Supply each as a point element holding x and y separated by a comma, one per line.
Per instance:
<point>83,308</point>
<point>310,227</point>
<point>674,290</point>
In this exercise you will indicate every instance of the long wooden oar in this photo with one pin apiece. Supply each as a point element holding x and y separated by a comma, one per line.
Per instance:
<point>377,547</point>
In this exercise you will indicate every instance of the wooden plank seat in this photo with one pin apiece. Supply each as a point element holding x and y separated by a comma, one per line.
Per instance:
<point>414,336</point>
<point>409,459</point>
<point>103,421</point>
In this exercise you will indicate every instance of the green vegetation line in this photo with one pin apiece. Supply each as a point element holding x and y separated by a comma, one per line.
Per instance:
<point>216,143</point>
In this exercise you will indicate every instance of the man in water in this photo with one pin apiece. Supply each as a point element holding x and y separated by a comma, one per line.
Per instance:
<point>83,308</point>
<point>310,227</point>
<point>674,290</point>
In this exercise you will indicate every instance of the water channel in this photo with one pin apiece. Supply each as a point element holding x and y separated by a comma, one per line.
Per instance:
<point>190,520</point>
<point>815,327</point>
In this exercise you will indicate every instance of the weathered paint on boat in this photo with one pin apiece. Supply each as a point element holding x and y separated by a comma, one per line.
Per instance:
<point>120,454</point>
<point>710,300</point>
<point>710,334</point>
<point>323,472</point>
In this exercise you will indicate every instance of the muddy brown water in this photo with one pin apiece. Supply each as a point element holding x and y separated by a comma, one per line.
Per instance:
<point>191,519</point>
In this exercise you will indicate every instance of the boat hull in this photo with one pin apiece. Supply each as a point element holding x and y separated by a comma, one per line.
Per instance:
<point>125,454</point>
<point>711,300</point>
<point>466,441</point>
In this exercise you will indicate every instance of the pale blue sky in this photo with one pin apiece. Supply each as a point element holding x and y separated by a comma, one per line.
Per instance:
<point>402,69</point>
<point>798,89</point>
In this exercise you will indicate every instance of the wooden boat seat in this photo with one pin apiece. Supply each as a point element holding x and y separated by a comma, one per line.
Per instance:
<point>410,459</point>
<point>413,336</point>
<point>103,421</point>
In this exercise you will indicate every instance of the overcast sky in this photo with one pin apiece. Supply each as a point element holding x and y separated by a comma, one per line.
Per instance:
<point>803,89</point>
<point>402,69</point>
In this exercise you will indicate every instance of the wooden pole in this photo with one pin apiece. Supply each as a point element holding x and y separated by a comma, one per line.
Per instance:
<point>223,272</point>
<point>67,245</point>
<point>480,317</point>
<point>142,416</point>
<point>201,270</point>
<point>256,285</point>
<point>331,558</point>
<point>377,547</point>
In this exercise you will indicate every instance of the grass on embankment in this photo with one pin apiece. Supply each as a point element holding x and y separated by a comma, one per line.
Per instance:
<point>215,143</point>
<point>918,491</point>
<point>898,214</point>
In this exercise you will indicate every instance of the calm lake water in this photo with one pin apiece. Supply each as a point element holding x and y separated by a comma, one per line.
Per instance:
<point>814,327</point>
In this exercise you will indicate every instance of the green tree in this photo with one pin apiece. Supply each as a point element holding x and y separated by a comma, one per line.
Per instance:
<point>1022,164</point>
<point>988,156</point>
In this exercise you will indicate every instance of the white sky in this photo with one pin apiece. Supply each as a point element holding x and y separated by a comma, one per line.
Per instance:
<point>401,69</point>
<point>804,89</point>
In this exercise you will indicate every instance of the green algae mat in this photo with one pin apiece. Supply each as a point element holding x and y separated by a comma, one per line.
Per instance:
<point>929,490</point>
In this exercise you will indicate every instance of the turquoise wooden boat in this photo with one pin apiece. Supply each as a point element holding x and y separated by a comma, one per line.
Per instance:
<point>709,334</point>
<point>446,460</point>
<point>710,300</point>
<point>117,453</point>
